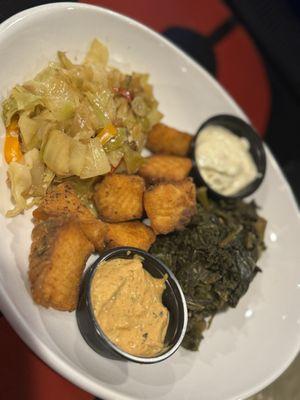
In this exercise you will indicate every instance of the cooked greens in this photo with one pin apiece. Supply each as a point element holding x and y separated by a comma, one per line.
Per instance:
<point>214,258</point>
<point>84,120</point>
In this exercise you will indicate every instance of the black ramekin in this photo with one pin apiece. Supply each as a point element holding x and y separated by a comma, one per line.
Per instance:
<point>240,128</point>
<point>173,299</point>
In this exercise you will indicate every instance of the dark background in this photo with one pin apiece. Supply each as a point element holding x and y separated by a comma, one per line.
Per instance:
<point>252,47</point>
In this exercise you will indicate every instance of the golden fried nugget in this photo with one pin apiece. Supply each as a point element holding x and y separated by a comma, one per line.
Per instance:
<point>62,200</point>
<point>134,234</point>
<point>170,206</point>
<point>167,140</point>
<point>59,252</point>
<point>95,231</point>
<point>161,167</point>
<point>119,197</point>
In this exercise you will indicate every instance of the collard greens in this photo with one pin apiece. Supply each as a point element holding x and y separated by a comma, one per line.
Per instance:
<point>214,258</point>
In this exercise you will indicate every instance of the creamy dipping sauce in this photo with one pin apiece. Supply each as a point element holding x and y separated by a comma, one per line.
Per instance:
<point>127,304</point>
<point>224,160</point>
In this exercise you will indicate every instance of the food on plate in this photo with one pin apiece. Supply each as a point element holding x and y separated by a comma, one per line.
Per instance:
<point>162,167</point>
<point>95,230</point>
<point>84,189</point>
<point>132,234</point>
<point>12,148</point>
<point>170,206</point>
<point>58,255</point>
<point>167,140</point>
<point>62,200</point>
<point>119,197</point>
<point>214,258</point>
<point>82,120</point>
<point>127,304</point>
<point>224,160</point>
<point>74,137</point>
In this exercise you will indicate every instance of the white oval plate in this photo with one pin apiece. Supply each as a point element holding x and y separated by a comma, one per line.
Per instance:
<point>246,348</point>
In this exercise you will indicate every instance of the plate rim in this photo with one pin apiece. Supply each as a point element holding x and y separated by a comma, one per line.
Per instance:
<point>65,368</point>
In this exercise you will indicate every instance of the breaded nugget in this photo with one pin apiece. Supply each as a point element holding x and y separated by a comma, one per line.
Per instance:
<point>95,231</point>
<point>134,234</point>
<point>59,252</point>
<point>161,167</point>
<point>170,206</point>
<point>167,140</point>
<point>119,197</point>
<point>61,201</point>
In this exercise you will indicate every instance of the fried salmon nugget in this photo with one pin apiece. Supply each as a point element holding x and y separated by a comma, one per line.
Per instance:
<point>62,201</point>
<point>134,234</point>
<point>161,167</point>
<point>167,140</point>
<point>95,230</point>
<point>170,206</point>
<point>119,197</point>
<point>58,255</point>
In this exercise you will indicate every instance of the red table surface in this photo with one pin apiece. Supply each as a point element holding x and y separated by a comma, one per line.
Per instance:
<point>240,69</point>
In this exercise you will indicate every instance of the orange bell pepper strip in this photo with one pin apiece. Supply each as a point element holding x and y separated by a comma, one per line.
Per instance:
<point>12,148</point>
<point>107,133</point>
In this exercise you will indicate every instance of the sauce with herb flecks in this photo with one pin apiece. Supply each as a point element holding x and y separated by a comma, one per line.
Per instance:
<point>127,304</point>
<point>224,160</point>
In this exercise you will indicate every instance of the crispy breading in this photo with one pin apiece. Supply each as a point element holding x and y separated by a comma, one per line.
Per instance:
<point>160,167</point>
<point>95,231</point>
<point>134,234</point>
<point>119,197</point>
<point>61,201</point>
<point>170,206</point>
<point>167,140</point>
<point>59,252</point>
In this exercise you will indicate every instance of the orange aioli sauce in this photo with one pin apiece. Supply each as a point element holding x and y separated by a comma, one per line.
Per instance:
<point>127,304</point>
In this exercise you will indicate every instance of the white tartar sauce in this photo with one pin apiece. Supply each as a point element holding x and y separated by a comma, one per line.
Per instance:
<point>224,160</point>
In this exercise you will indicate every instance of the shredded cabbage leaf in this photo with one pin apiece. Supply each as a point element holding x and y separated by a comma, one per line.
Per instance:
<point>29,181</point>
<point>96,161</point>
